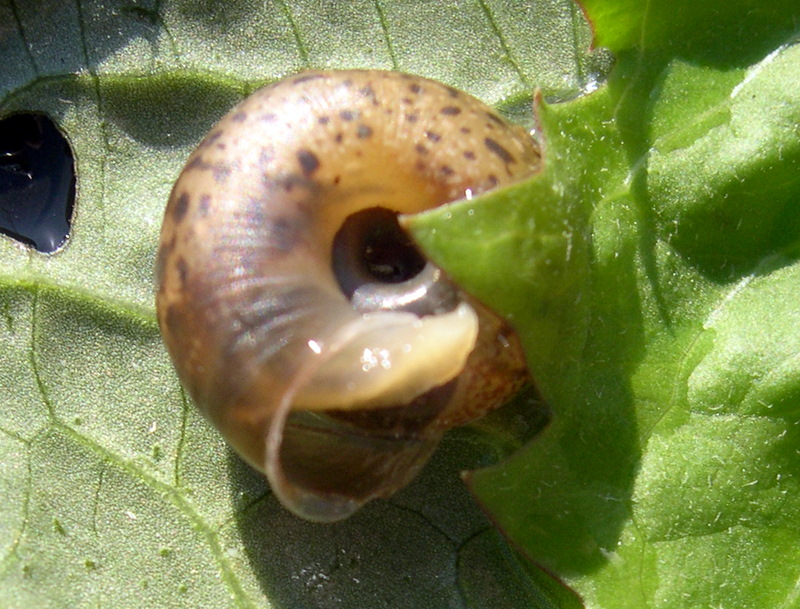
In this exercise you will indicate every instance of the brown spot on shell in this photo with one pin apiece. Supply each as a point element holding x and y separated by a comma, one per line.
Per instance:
<point>421,149</point>
<point>309,162</point>
<point>498,149</point>
<point>210,139</point>
<point>239,117</point>
<point>279,234</point>
<point>183,271</point>
<point>451,110</point>
<point>469,155</point>
<point>288,183</point>
<point>415,88</point>
<point>220,169</point>
<point>492,116</point>
<point>433,136</point>
<point>204,206</point>
<point>347,115</point>
<point>363,132</point>
<point>180,208</point>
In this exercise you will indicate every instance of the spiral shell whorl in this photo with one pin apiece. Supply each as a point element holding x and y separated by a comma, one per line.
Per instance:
<point>247,294</point>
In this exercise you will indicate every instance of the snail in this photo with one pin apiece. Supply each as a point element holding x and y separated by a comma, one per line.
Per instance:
<point>299,315</point>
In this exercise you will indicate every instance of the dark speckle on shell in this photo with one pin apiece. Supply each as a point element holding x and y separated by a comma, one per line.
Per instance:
<point>499,150</point>
<point>494,118</point>
<point>180,208</point>
<point>309,162</point>
<point>205,204</point>
<point>183,270</point>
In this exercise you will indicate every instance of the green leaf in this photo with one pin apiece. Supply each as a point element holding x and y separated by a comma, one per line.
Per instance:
<point>661,322</point>
<point>116,492</point>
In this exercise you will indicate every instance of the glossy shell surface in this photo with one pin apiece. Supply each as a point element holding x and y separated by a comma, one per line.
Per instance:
<point>333,375</point>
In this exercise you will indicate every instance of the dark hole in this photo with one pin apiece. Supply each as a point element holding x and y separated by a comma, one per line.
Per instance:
<point>372,248</point>
<point>37,181</point>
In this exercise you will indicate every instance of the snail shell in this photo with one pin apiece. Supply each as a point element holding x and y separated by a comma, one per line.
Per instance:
<point>299,316</point>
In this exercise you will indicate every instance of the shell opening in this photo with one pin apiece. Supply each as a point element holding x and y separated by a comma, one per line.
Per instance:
<point>379,268</point>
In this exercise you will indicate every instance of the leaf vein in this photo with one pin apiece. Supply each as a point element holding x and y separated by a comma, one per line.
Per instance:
<point>177,498</point>
<point>21,29</point>
<point>385,29</point>
<point>8,560</point>
<point>301,47</point>
<point>487,11</point>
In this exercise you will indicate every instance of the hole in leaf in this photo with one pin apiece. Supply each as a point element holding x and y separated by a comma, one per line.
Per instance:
<point>37,181</point>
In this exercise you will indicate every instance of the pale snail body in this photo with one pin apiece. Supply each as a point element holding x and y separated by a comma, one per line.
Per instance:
<point>326,363</point>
